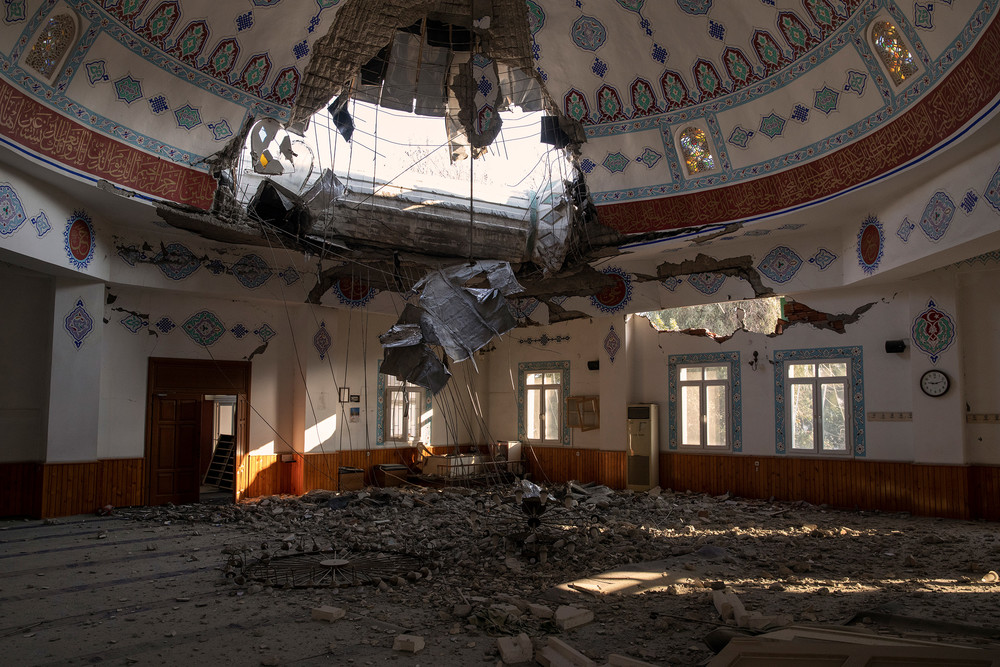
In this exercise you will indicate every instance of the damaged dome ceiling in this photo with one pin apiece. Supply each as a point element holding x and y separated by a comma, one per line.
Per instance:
<point>792,101</point>
<point>677,115</point>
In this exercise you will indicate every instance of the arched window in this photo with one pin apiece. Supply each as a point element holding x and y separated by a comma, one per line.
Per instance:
<point>52,44</point>
<point>893,52</point>
<point>696,150</point>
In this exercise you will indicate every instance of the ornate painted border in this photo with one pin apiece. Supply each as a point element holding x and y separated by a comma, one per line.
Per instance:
<point>425,429</point>
<point>525,367</point>
<point>42,131</point>
<point>943,110</point>
<point>854,354</point>
<point>736,392</point>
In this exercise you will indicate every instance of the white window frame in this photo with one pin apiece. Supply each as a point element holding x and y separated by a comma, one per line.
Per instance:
<point>544,418</point>
<point>416,399</point>
<point>817,382</point>
<point>703,404</point>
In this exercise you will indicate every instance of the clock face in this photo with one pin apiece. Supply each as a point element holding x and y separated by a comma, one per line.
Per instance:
<point>934,383</point>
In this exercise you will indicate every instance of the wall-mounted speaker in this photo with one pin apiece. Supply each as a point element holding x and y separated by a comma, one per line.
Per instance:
<point>895,346</point>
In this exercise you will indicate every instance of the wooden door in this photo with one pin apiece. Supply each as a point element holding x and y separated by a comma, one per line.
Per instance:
<point>175,448</point>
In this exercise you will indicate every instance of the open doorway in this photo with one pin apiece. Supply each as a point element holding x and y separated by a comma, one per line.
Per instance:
<point>197,430</point>
<point>218,451</point>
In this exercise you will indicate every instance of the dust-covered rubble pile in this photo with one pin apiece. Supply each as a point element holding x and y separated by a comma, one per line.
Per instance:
<point>494,555</point>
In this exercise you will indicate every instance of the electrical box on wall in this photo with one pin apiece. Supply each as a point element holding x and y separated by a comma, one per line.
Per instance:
<point>643,454</point>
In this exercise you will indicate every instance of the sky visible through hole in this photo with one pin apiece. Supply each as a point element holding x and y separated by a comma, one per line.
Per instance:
<point>411,151</point>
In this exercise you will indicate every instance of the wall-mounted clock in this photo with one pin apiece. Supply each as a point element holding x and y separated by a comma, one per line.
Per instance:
<point>934,383</point>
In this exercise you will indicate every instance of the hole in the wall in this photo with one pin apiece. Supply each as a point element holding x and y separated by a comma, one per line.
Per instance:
<point>720,319</point>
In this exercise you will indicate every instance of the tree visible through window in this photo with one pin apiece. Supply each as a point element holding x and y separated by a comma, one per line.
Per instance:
<point>816,398</point>
<point>543,407</point>
<point>696,150</point>
<point>892,51</point>
<point>51,45</point>
<point>704,406</point>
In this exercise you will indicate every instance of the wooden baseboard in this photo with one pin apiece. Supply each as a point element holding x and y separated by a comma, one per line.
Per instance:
<point>960,492</point>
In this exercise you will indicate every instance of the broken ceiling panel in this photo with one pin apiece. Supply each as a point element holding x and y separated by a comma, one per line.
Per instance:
<point>452,314</point>
<point>362,30</point>
<point>552,217</point>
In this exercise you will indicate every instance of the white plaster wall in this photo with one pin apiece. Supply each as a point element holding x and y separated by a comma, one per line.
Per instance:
<point>48,252</point>
<point>586,342</point>
<point>25,348</point>
<point>273,393</point>
<point>979,321</point>
<point>75,380</point>
<point>890,379</point>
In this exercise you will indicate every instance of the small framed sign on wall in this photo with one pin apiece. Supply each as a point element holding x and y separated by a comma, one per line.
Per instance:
<point>345,394</point>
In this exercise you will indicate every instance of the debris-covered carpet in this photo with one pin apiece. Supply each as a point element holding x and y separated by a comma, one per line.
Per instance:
<point>338,578</point>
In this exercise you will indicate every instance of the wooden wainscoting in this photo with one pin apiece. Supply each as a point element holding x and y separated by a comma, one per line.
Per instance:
<point>120,482</point>
<point>82,488</point>
<point>956,491</point>
<point>984,492</point>
<point>368,458</point>
<point>22,488</point>
<point>263,475</point>
<point>69,488</point>
<point>320,471</point>
<point>960,492</point>
<point>557,465</point>
<point>269,476</point>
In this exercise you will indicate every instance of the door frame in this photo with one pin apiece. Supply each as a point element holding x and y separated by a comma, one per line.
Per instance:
<point>199,376</point>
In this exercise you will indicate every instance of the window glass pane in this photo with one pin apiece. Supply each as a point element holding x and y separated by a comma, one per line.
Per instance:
<point>691,373</point>
<point>413,418</point>
<point>532,414</point>
<point>893,52</point>
<point>553,378</point>
<point>533,378</point>
<point>396,415</point>
<point>834,418</point>
<point>716,372</point>
<point>697,152</point>
<point>53,42</point>
<point>553,417</point>
<point>715,415</point>
<point>802,416</point>
<point>801,370</point>
<point>690,416</point>
<point>835,369</point>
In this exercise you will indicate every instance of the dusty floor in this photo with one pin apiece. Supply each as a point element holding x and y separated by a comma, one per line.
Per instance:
<point>150,585</point>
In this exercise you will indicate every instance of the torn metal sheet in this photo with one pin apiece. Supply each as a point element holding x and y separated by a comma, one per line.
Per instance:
<point>320,198</point>
<point>551,217</point>
<point>416,364</point>
<point>464,319</point>
<point>458,318</point>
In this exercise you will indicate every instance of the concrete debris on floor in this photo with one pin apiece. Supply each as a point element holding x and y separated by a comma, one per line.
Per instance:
<point>568,575</point>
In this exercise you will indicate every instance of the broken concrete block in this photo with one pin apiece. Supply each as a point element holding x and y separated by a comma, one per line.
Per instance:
<point>515,649</point>
<point>558,653</point>
<point>540,610</point>
<point>728,605</point>
<point>408,643</point>
<point>568,617</point>
<point>615,660</point>
<point>328,614</point>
